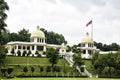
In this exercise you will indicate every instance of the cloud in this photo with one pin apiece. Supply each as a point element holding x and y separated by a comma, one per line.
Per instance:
<point>67,17</point>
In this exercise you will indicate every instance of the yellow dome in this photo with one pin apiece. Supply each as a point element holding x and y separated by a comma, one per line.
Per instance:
<point>87,39</point>
<point>38,33</point>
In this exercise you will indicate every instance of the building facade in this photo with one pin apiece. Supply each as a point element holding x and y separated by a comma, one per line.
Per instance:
<point>37,43</point>
<point>87,47</point>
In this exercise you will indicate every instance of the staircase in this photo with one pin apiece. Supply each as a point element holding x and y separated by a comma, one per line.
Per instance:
<point>71,62</point>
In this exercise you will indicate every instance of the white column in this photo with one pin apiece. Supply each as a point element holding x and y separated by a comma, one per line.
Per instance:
<point>44,48</point>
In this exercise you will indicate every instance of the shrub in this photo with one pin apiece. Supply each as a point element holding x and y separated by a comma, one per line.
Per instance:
<point>3,70</point>
<point>32,69</point>
<point>25,69</point>
<point>24,53</point>
<point>41,69</point>
<point>19,53</point>
<point>9,71</point>
<point>48,69</point>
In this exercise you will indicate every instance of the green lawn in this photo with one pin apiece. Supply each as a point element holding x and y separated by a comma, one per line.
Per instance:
<point>15,60</point>
<point>63,79</point>
<point>18,63</point>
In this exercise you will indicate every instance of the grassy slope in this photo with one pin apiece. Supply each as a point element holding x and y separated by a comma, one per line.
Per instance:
<point>63,79</point>
<point>18,64</point>
<point>14,60</point>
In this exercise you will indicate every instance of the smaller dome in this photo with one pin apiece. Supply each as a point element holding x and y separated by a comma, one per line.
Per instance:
<point>38,33</point>
<point>87,39</point>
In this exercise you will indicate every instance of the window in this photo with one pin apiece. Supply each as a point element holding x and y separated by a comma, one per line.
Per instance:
<point>28,47</point>
<point>90,52</point>
<point>31,40</point>
<point>24,47</point>
<point>32,47</point>
<point>14,47</point>
<point>40,48</point>
<point>84,51</point>
<point>19,47</point>
<point>83,45</point>
<point>42,40</point>
<point>37,39</point>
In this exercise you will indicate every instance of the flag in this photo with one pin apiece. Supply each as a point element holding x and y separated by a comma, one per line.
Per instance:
<point>90,22</point>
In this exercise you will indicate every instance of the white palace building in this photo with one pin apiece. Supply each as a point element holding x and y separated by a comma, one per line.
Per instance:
<point>37,43</point>
<point>87,47</point>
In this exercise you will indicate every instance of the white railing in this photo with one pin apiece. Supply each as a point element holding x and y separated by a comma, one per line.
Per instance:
<point>71,62</point>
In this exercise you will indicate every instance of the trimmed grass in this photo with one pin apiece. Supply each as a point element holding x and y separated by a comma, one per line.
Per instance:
<point>63,79</point>
<point>18,63</point>
<point>15,60</point>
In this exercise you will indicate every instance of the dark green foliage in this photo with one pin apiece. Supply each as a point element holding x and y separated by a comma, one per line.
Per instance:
<point>13,52</point>
<point>2,55</point>
<point>24,35</point>
<point>19,53</point>
<point>77,59</point>
<point>54,38</point>
<point>82,69</point>
<point>25,69</point>
<point>3,70</point>
<point>41,69</point>
<point>4,38</point>
<point>3,7</point>
<point>52,55</point>
<point>94,57</point>
<point>13,37</point>
<point>56,69</point>
<point>24,53</point>
<point>105,47</point>
<point>9,71</point>
<point>32,69</point>
<point>29,52</point>
<point>48,69</point>
<point>37,53</point>
<point>107,65</point>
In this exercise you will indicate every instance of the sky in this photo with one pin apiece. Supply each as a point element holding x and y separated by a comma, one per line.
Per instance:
<point>67,17</point>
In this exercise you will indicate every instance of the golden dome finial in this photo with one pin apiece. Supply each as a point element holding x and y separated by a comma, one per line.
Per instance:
<point>38,28</point>
<point>87,34</point>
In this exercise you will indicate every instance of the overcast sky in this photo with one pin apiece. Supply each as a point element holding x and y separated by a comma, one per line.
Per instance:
<point>67,17</point>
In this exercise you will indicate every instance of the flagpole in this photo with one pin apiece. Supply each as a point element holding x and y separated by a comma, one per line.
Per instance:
<point>92,33</point>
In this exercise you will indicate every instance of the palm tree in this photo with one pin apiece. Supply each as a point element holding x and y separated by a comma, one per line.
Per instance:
<point>3,7</point>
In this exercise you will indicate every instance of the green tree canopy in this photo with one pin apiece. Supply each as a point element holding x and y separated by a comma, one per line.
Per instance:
<point>54,38</point>
<point>52,55</point>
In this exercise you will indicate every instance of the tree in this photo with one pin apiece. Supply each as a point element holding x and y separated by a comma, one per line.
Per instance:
<point>9,71</point>
<point>54,38</point>
<point>29,52</point>
<point>24,35</point>
<point>32,69</point>
<point>13,52</point>
<point>13,37</point>
<point>37,53</point>
<point>41,69</point>
<point>94,57</point>
<point>24,53</point>
<point>3,70</point>
<point>77,59</point>
<point>52,55</point>
<point>19,53</point>
<point>4,38</point>
<point>25,69</point>
<point>48,69</point>
<point>3,7</point>
<point>2,55</point>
